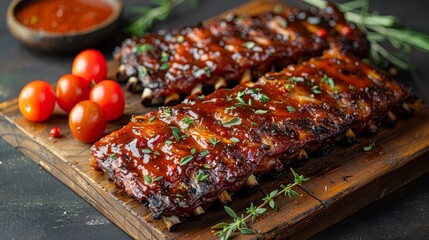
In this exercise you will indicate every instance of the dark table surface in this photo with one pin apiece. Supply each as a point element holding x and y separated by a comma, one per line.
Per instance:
<point>35,205</point>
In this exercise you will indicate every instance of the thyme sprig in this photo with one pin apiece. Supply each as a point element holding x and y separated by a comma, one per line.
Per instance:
<point>147,16</point>
<point>240,223</point>
<point>381,32</point>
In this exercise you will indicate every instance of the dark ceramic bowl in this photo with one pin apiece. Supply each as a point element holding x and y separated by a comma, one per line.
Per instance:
<point>63,42</point>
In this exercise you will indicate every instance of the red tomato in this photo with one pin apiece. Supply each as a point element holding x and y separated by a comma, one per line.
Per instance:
<point>37,101</point>
<point>91,65</point>
<point>87,121</point>
<point>71,90</point>
<point>346,31</point>
<point>108,94</point>
<point>55,132</point>
<point>321,33</point>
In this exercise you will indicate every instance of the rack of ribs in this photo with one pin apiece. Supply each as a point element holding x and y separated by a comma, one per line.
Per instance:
<point>169,65</point>
<point>179,160</point>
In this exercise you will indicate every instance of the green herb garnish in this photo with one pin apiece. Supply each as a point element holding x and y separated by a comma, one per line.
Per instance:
<point>186,160</point>
<point>261,111</point>
<point>166,112</point>
<point>263,98</point>
<point>231,122</point>
<point>164,57</point>
<point>204,152</point>
<point>290,109</point>
<point>159,178</point>
<point>240,99</point>
<point>187,121</point>
<point>147,16</point>
<point>180,39</point>
<point>371,146</point>
<point>316,90</point>
<point>176,132</point>
<point>207,71</point>
<point>201,176</point>
<point>230,108</point>
<point>147,151</point>
<point>147,179</point>
<point>213,141</point>
<point>249,45</point>
<point>152,119</point>
<point>240,223</point>
<point>164,66</point>
<point>329,81</point>
<point>288,86</point>
<point>140,48</point>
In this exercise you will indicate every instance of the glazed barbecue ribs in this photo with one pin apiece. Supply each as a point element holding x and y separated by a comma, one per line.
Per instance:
<point>180,159</point>
<point>171,64</point>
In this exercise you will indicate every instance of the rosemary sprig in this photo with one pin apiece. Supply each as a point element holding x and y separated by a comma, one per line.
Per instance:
<point>240,223</point>
<point>149,15</point>
<point>381,32</point>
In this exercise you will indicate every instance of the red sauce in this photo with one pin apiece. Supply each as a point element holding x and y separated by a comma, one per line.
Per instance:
<point>61,16</point>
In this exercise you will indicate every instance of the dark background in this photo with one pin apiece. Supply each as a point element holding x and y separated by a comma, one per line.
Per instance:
<point>34,205</point>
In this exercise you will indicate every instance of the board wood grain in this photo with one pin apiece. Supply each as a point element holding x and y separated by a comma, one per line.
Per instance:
<point>341,183</point>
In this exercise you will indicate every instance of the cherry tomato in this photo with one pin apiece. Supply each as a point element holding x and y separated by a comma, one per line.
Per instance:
<point>108,94</point>
<point>91,65</point>
<point>71,90</point>
<point>87,121</point>
<point>321,33</point>
<point>346,31</point>
<point>37,101</point>
<point>55,132</point>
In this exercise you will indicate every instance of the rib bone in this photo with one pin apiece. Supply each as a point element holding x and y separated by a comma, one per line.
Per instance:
<point>351,136</point>
<point>225,198</point>
<point>121,69</point>
<point>302,154</point>
<point>147,96</point>
<point>171,222</point>
<point>247,76</point>
<point>252,184</point>
<point>392,119</point>
<point>133,85</point>
<point>220,83</point>
<point>197,90</point>
<point>407,108</point>
<point>172,99</point>
<point>199,212</point>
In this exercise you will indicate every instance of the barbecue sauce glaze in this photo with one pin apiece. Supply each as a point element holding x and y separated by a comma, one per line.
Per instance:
<point>182,157</point>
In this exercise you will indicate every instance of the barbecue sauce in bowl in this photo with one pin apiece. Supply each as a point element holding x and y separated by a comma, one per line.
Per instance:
<point>61,16</point>
<point>63,26</point>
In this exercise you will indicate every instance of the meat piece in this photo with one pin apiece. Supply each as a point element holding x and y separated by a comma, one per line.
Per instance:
<point>233,49</point>
<point>183,157</point>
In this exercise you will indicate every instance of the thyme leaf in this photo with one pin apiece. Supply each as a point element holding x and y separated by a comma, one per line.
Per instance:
<point>371,146</point>
<point>186,160</point>
<point>231,122</point>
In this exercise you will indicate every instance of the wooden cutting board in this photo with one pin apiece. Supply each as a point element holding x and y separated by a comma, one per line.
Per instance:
<point>341,183</point>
